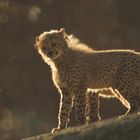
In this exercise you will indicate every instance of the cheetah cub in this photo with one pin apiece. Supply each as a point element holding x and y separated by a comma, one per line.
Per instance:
<point>82,74</point>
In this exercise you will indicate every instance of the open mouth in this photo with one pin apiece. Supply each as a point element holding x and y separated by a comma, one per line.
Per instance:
<point>49,53</point>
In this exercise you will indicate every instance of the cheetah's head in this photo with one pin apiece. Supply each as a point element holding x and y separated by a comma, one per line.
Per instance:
<point>52,44</point>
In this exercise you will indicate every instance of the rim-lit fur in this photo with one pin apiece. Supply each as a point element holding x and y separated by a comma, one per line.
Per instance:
<point>78,69</point>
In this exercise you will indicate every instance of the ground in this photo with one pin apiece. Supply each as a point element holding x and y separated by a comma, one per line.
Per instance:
<point>126,128</point>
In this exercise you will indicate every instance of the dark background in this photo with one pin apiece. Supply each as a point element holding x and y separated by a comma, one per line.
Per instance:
<point>28,99</point>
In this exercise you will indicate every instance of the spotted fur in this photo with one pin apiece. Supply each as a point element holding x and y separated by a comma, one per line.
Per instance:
<point>82,74</point>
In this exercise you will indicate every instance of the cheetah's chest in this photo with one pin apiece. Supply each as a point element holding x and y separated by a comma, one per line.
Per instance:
<point>59,79</point>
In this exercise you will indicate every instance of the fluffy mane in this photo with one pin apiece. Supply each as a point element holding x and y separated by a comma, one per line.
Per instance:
<point>75,44</point>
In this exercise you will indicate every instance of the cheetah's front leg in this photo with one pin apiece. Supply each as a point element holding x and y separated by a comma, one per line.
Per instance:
<point>80,106</point>
<point>64,109</point>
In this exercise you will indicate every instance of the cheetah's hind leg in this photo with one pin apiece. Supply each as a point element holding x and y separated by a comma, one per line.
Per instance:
<point>130,100</point>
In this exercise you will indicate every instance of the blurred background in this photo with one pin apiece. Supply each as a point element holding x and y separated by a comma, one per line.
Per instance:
<point>28,99</point>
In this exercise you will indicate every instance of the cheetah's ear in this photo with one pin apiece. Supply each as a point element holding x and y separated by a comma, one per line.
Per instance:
<point>62,30</point>
<point>37,40</point>
<point>63,33</point>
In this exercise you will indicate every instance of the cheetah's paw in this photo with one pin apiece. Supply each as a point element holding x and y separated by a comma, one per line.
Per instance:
<point>54,130</point>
